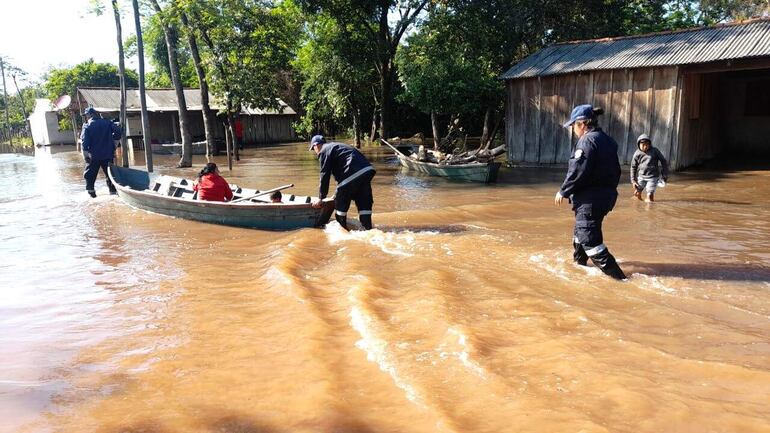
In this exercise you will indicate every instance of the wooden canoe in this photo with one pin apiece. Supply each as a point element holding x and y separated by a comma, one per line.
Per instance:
<point>473,172</point>
<point>172,196</point>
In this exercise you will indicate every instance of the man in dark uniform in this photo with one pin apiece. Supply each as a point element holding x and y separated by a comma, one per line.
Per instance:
<point>353,174</point>
<point>592,186</point>
<point>98,139</point>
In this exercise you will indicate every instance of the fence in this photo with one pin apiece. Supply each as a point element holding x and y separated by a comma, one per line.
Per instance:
<point>19,136</point>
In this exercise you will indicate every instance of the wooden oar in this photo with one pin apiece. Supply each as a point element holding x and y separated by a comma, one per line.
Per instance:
<point>259,194</point>
<point>389,145</point>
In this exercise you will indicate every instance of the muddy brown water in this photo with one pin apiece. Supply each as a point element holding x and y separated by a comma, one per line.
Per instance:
<point>461,313</point>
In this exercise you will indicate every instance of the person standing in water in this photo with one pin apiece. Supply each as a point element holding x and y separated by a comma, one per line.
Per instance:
<point>591,185</point>
<point>98,140</point>
<point>645,170</point>
<point>353,174</point>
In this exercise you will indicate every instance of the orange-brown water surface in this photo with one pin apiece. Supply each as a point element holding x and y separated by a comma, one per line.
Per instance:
<point>461,312</point>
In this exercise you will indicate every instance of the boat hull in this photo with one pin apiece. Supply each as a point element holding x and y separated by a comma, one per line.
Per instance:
<point>133,188</point>
<point>475,172</point>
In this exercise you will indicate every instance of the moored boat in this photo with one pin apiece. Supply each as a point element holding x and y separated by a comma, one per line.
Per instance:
<point>174,197</point>
<point>473,172</point>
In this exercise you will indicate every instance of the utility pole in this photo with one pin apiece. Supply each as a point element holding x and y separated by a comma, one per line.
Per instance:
<point>5,99</point>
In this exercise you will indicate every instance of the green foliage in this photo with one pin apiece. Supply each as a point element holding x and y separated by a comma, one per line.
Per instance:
<point>248,44</point>
<point>157,54</point>
<point>65,81</point>
<point>443,72</point>
<point>335,66</point>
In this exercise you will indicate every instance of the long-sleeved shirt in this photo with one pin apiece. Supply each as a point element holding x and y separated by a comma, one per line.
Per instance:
<point>344,162</point>
<point>213,187</point>
<point>98,137</point>
<point>594,171</point>
<point>645,165</point>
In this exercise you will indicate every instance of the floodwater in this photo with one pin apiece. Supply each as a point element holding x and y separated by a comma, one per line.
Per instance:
<point>461,313</point>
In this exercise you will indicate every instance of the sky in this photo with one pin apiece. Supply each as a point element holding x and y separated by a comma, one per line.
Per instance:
<point>36,35</point>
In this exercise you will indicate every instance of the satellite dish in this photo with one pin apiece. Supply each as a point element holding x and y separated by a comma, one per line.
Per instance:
<point>62,102</point>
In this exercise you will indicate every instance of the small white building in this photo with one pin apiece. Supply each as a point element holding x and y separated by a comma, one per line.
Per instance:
<point>44,122</point>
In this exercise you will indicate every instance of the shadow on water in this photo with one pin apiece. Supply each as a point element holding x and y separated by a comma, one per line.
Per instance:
<point>426,228</point>
<point>700,271</point>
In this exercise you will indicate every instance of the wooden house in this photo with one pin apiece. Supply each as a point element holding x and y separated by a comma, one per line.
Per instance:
<point>259,126</point>
<point>700,93</point>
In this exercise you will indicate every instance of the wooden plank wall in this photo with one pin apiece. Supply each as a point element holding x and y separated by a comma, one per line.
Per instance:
<point>635,102</point>
<point>698,136</point>
<point>268,128</point>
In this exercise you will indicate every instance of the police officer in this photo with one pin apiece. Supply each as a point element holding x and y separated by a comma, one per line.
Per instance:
<point>591,184</point>
<point>353,174</point>
<point>98,138</point>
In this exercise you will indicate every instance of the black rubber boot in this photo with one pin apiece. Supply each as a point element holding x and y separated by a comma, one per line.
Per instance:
<point>343,220</point>
<point>606,262</point>
<point>92,193</point>
<point>366,221</point>
<point>579,255</point>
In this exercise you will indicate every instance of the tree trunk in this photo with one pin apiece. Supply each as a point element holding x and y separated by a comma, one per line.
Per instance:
<point>357,126</point>
<point>208,116</point>
<point>122,72</point>
<point>373,132</point>
<point>436,133</point>
<point>146,136</point>
<point>386,80</point>
<point>487,126</point>
<point>5,99</point>
<point>169,33</point>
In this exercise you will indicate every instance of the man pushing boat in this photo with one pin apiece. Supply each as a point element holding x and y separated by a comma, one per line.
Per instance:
<point>353,174</point>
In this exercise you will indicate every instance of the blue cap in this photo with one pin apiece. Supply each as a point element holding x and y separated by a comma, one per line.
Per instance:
<point>317,139</point>
<point>581,112</point>
<point>90,111</point>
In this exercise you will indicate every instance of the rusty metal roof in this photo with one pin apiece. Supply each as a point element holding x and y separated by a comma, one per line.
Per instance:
<point>731,41</point>
<point>107,99</point>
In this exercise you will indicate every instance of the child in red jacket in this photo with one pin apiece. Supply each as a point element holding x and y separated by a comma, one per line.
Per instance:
<point>211,186</point>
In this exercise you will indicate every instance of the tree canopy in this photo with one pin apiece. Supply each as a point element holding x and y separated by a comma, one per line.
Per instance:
<point>65,81</point>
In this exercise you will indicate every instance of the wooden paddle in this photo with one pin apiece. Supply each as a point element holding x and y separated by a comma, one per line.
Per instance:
<point>389,145</point>
<point>259,194</point>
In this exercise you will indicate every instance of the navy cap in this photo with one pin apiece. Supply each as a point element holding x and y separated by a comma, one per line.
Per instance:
<point>317,139</point>
<point>581,112</point>
<point>90,111</point>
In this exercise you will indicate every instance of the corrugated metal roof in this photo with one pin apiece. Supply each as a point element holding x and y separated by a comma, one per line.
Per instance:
<point>706,44</point>
<point>108,100</point>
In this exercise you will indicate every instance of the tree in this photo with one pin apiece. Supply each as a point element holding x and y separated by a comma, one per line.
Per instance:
<point>65,81</point>
<point>168,24</point>
<point>372,19</point>
<point>337,77</point>
<point>249,44</point>
<point>146,135</point>
<point>208,115</point>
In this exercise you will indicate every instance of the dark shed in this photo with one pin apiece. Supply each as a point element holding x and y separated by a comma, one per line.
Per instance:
<point>698,92</point>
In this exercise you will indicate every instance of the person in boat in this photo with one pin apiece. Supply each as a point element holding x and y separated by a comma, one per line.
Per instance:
<point>591,185</point>
<point>353,174</point>
<point>648,167</point>
<point>276,197</point>
<point>211,186</point>
<point>98,141</point>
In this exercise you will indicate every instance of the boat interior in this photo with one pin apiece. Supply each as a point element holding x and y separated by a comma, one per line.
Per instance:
<point>182,188</point>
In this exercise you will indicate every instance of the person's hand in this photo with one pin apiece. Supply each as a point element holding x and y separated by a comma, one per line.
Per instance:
<point>636,185</point>
<point>558,199</point>
<point>316,203</point>
<point>87,156</point>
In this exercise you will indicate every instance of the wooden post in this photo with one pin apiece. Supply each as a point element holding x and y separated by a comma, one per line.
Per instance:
<point>146,137</point>
<point>5,98</point>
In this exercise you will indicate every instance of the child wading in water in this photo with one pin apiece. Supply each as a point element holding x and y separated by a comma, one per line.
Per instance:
<point>645,173</point>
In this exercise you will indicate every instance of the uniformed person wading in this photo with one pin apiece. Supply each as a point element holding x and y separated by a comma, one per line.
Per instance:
<point>353,174</point>
<point>592,186</point>
<point>98,139</point>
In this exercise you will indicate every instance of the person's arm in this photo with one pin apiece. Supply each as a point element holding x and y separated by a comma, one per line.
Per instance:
<point>228,190</point>
<point>663,165</point>
<point>634,169</point>
<point>325,177</point>
<point>579,167</point>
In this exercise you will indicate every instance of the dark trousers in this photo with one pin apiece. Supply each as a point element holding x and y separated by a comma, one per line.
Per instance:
<point>92,170</point>
<point>588,241</point>
<point>360,191</point>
